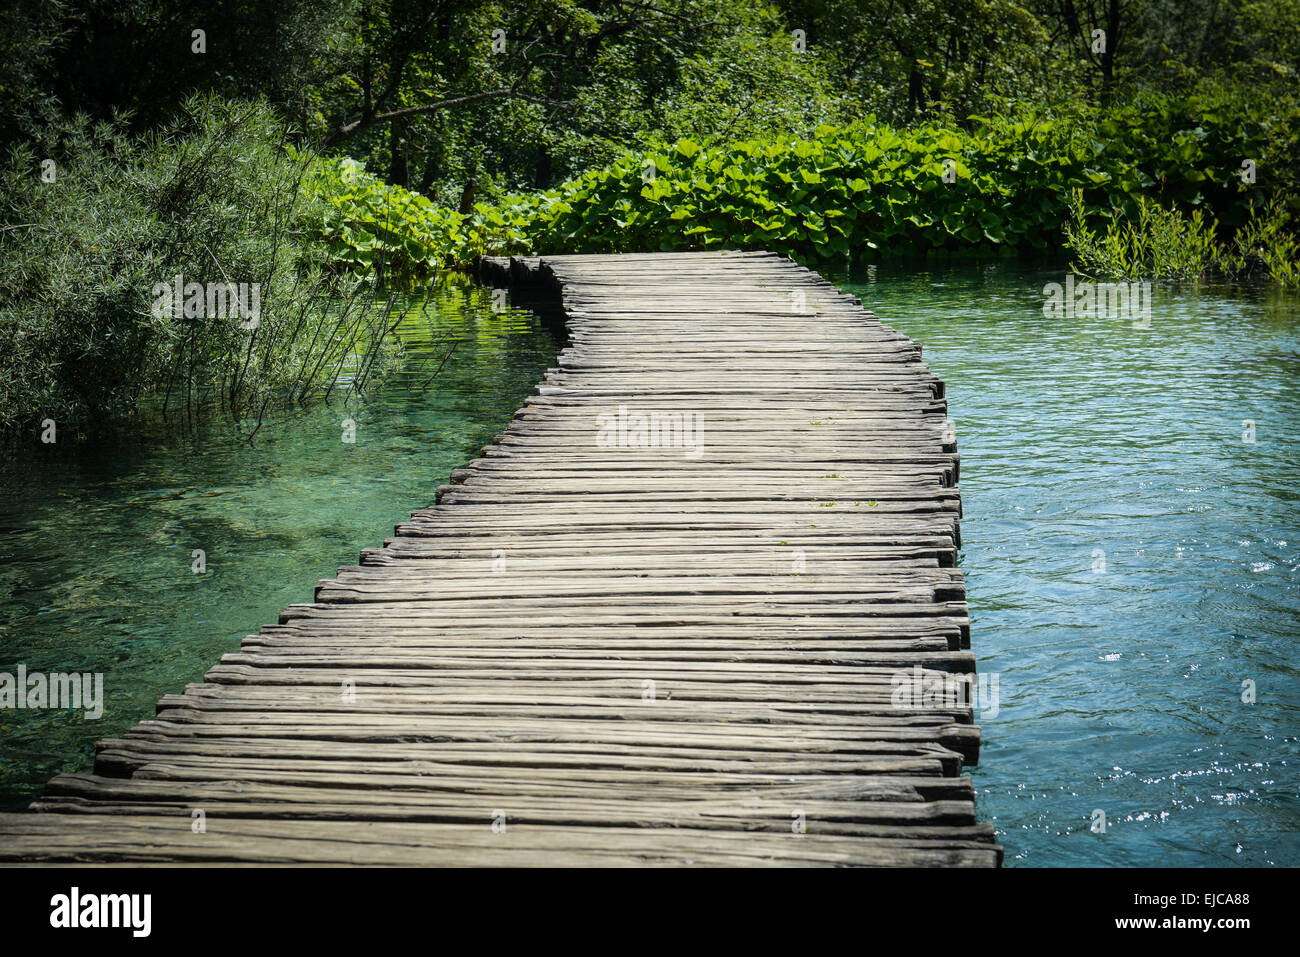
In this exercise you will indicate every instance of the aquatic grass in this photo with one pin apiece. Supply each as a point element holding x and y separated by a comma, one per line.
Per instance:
<point>1266,243</point>
<point>1165,244</point>
<point>1158,244</point>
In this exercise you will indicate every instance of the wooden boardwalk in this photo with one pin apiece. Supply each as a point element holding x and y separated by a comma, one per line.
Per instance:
<point>592,650</point>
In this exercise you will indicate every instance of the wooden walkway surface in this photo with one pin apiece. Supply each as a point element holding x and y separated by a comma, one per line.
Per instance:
<point>593,652</point>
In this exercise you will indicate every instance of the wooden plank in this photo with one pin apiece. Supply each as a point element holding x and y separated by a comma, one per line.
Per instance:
<point>170,839</point>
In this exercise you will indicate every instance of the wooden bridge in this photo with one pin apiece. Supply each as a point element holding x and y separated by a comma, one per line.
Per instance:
<point>676,614</point>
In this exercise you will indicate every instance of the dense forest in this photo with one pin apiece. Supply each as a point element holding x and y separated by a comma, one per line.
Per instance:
<point>315,149</point>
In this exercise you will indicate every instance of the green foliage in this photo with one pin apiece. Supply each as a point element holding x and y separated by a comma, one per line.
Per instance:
<point>864,186</point>
<point>368,225</point>
<point>136,56</point>
<point>1166,244</point>
<point>846,190</point>
<point>740,78</point>
<point>754,143</point>
<point>30,35</point>
<point>1161,244</point>
<point>415,89</point>
<point>213,197</point>
<point>929,57</point>
<point>1268,243</point>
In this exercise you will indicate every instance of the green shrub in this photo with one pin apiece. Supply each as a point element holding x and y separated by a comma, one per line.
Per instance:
<point>1159,244</point>
<point>214,197</point>
<point>865,186</point>
<point>1166,244</point>
<point>368,225</point>
<point>1265,244</point>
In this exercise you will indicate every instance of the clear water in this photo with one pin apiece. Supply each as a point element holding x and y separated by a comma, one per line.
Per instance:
<point>96,542</point>
<point>1121,690</point>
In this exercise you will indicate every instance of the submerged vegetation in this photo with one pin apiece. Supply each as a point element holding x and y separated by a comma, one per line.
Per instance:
<point>316,151</point>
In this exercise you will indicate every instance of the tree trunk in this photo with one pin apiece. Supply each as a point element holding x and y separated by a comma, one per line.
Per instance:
<point>467,196</point>
<point>427,174</point>
<point>915,90</point>
<point>543,167</point>
<point>399,173</point>
<point>1113,16</point>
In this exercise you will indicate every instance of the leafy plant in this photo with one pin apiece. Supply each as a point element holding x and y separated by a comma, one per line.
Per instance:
<point>212,198</point>
<point>1003,184</point>
<point>368,225</point>
<point>1165,244</point>
<point>1265,244</point>
<point>1160,244</point>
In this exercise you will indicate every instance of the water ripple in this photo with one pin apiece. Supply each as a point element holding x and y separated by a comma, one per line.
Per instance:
<point>1130,560</point>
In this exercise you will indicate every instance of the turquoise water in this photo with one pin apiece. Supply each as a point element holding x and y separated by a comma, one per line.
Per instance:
<point>1121,689</point>
<point>96,542</point>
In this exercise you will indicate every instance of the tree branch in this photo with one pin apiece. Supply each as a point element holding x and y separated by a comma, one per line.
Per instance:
<point>342,132</point>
